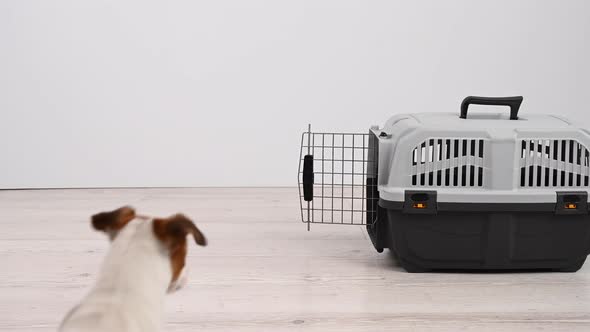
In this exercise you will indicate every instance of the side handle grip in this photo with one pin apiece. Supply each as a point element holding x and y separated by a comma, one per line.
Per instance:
<point>513,102</point>
<point>308,178</point>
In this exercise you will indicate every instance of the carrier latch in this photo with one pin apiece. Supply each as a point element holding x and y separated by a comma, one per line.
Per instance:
<point>572,202</point>
<point>420,202</point>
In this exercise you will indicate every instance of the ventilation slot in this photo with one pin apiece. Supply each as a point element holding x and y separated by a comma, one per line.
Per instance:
<point>448,163</point>
<point>553,163</point>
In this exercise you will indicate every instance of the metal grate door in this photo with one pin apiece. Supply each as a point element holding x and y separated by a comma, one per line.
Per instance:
<point>338,178</point>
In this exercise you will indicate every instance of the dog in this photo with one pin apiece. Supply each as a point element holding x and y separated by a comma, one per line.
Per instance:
<point>146,260</point>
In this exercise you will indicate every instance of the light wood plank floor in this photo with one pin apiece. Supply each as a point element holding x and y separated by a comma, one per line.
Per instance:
<point>263,271</point>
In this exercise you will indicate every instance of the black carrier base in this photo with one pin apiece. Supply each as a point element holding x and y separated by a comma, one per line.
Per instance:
<point>482,240</point>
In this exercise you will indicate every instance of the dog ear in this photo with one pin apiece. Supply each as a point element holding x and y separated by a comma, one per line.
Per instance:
<point>113,221</point>
<point>173,231</point>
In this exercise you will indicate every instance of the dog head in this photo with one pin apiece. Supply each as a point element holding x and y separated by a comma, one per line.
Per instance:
<point>171,232</point>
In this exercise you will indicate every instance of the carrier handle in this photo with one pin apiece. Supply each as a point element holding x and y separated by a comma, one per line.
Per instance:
<point>513,102</point>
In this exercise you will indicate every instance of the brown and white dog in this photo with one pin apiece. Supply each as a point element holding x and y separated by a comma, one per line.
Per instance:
<point>146,260</point>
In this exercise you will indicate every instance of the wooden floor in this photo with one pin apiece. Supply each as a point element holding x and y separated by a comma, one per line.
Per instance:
<point>263,271</point>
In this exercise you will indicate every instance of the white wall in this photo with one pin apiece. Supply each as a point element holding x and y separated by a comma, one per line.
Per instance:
<point>216,93</point>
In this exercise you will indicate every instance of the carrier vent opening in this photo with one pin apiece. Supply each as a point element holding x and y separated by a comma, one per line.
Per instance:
<point>444,162</point>
<point>553,163</point>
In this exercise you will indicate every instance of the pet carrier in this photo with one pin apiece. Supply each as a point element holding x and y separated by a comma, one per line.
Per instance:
<point>446,191</point>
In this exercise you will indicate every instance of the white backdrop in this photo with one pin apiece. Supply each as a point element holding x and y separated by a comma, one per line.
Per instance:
<point>216,93</point>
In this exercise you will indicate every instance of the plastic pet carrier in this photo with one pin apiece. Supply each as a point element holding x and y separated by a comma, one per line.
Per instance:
<point>457,191</point>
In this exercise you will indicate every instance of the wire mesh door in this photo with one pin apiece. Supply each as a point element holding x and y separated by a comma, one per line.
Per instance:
<point>338,178</point>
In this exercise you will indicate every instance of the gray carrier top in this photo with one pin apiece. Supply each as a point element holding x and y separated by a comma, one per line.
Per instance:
<point>483,158</point>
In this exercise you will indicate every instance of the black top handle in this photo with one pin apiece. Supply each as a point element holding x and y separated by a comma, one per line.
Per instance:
<point>513,102</point>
